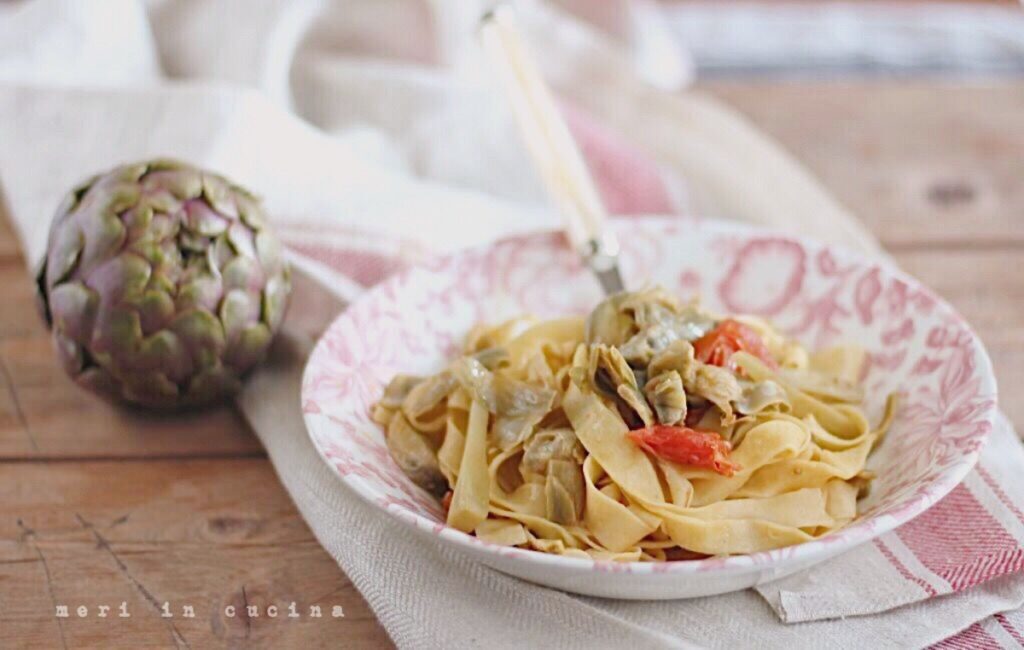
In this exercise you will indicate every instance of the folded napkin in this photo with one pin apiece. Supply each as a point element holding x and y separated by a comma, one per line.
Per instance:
<point>372,165</point>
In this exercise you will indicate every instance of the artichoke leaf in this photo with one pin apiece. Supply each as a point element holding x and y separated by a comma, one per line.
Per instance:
<point>716,385</point>
<point>661,328</point>
<point>758,396</point>
<point>666,393</point>
<point>155,307</point>
<point>183,184</point>
<point>645,301</point>
<point>249,347</point>
<point>269,251</point>
<point>119,197</point>
<point>608,324</point>
<point>249,210</point>
<point>73,310</point>
<point>242,273</point>
<point>242,241</point>
<point>518,408</point>
<point>564,492</point>
<point>678,356</point>
<point>70,353</point>
<point>213,382</point>
<point>202,220</point>
<point>66,245</point>
<point>202,334</point>
<point>117,333</point>
<point>413,453</point>
<point>609,373</point>
<point>239,309</point>
<point>493,358</point>
<point>275,301</point>
<point>551,444</point>
<point>218,195</point>
<point>475,379</point>
<point>426,395</point>
<point>398,389</point>
<point>124,277</point>
<point>138,220</point>
<point>201,291</point>
<point>149,387</point>
<point>164,352</point>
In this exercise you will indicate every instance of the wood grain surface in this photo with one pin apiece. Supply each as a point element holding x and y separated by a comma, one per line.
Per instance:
<point>100,505</point>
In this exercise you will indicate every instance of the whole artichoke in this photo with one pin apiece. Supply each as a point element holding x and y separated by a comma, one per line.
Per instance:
<point>162,284</point>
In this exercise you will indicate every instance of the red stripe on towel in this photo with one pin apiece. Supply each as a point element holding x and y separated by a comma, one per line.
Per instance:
<point>904,571</point>
<point>973,638</point>
<point>961,556</point>
<point>997,489</point>
<point>1010,628</point>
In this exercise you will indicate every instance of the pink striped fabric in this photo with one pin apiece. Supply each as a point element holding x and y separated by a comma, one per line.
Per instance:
<point>963,561</point>
<point>973,535</point>
<point>904,572</point>
<point>1013,624</point>
<point>973,638</point>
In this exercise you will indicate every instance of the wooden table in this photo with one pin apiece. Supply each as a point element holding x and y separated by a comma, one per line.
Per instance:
<point>100,506</point>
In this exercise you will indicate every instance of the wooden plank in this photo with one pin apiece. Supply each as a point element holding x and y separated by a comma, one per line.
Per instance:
<point>921,162</point>
<point>43,414</point>
<point>55,418</point>
<point>209,534</point>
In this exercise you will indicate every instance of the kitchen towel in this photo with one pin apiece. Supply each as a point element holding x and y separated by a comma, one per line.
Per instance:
<point>374,151</point>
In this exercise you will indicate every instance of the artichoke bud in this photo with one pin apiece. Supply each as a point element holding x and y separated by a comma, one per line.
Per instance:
<point>162,284</point>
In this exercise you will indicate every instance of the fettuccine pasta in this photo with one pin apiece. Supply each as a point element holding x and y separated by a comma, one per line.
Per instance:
<point>651,430</point>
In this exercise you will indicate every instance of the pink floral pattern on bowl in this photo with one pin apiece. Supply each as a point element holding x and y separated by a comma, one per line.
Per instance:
<point>918,346</point>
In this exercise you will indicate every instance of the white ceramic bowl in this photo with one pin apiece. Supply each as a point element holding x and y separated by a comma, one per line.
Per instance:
<point>918,345</point>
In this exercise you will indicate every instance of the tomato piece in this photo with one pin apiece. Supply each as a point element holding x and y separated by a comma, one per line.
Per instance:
<point>717,346</point>
<point>686,446</point>
<point>446,501</point>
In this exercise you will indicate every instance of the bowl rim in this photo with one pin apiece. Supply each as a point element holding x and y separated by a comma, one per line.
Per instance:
<point>857,533</point>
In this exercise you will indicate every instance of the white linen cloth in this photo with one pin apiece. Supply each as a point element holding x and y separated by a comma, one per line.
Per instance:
<point>376,143</point>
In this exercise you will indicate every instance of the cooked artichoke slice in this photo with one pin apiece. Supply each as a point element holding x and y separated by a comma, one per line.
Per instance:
<point>666,394</point>
<point>426,396</point>
<point>517,405</point>
<point>609,373</point>
<point>398,389</point>
<point>492,358</point>
<point>548,445</point>
<point>518,408</point>
<point>659,328</point>
<point>678,357</point>
<point>718,386</point>
<point>608,324</point>
<point>757,396</point>
<point>415,456</point>
<point>564,492</point>
<point>475,378</point>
